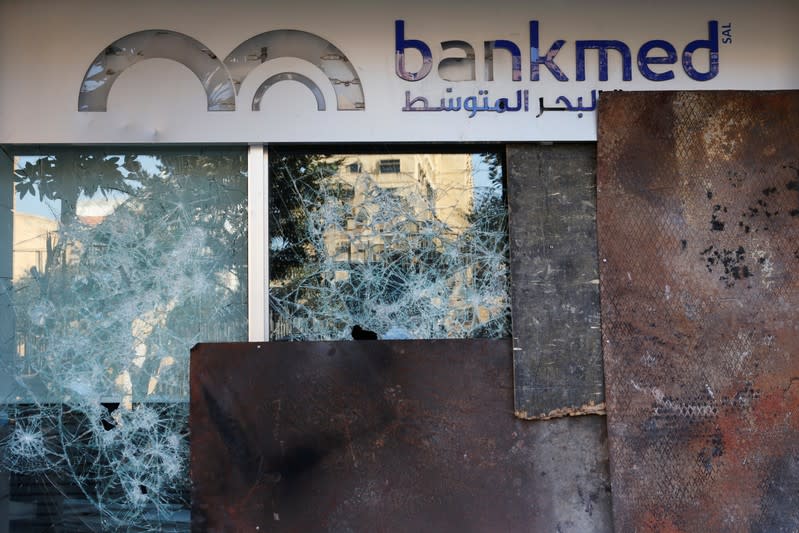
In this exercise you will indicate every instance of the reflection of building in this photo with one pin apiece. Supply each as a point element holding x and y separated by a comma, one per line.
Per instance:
<point>444,180</point>
<point>396,242</point>
<point>34,235</point>
<point>431,188</point>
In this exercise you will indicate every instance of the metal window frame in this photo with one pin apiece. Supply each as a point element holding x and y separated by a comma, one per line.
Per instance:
<point>257,245</point>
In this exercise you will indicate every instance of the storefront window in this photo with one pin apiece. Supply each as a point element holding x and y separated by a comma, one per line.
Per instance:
<point>411,246</point>
<point>121,262</point>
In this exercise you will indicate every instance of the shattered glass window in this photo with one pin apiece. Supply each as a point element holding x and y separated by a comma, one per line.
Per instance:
<point>409,246</point>
<point>121,262</point>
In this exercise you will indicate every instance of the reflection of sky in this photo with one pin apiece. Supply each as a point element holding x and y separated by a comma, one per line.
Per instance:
<point>104,204</point>
<point>99,204</point>
<point>483,187</point>
<point>31,204</point>
<point>480,172</point>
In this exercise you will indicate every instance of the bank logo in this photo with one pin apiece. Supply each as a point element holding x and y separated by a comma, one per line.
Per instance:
<point>655,52</point>
<point>222,80</point>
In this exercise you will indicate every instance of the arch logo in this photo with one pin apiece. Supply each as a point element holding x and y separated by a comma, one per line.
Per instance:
<point>222,79</point>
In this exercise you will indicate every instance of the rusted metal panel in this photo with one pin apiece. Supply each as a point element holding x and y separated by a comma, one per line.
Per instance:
<point>698,226</point>
<point>383,436</point>
<point>554,288</point>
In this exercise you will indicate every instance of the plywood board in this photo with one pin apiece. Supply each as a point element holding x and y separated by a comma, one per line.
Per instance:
<point>554,280</point>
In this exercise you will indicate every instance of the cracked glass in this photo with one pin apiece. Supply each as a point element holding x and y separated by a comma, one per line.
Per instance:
<point>121,262</point>
<point>408,246</point>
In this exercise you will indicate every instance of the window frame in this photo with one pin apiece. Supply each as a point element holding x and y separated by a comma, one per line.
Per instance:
<point>258,202</point>
<point>258,187</point>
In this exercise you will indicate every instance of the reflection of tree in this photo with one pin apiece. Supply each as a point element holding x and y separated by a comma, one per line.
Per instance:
<point>495,175</point>
<point>403,266</point>
<point>66,175</point>
<point>288,208</point>
<point>114,318</point>
<point>487,238</point>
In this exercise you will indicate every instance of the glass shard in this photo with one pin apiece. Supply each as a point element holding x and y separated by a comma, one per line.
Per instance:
<point>405,245</point>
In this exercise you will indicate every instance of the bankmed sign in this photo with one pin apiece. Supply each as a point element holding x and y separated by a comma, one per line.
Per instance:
<point>221,79</point>
<point>652,52</point>
<point>273,72</point>
<point>654,61</point>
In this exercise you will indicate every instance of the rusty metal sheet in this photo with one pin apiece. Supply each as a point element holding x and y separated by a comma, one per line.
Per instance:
<point>698,227</point>
<point>557,351</point>
<point>383,436</point>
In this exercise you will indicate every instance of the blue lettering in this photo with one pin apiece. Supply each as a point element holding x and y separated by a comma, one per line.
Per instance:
<point>549,58</point>
<point>515,53</point>
<point>402,44</point>
<point>602,47</point>
<point>653,52</point>
<point>712,44</point>
<point>644,60</point>
<point>457,68</point>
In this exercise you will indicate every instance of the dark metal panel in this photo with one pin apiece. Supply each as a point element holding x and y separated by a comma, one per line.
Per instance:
<point>698,225</point>
<point>383,436</point>
<point>554,280</point>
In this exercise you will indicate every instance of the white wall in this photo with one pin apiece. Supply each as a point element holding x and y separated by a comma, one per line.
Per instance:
<point>46,48</point>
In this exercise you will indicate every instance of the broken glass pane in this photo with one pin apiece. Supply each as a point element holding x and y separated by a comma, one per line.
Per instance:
<point>122,261</point>
<point>406,245</point>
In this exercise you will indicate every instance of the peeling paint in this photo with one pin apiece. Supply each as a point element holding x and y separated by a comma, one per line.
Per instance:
<point>587,409</point>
